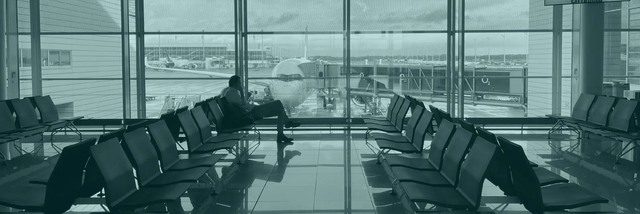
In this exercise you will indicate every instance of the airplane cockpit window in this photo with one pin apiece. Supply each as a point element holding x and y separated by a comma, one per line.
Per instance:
<point>290,77</point>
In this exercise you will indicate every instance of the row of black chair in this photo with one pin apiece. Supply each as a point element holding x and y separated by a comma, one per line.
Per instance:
<point>28,122</point>
<point>611,117</point>
<point>110,166</point>
<point>438,179</point>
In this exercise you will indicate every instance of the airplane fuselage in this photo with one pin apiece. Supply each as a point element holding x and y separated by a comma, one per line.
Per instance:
<point>291,84</point>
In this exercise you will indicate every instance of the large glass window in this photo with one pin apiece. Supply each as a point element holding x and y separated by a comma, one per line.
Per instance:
<point>183,69</point>
<point>295,52</point>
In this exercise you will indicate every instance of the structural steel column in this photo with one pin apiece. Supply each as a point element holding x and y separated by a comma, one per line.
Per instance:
<point>3,50</point>
<point>450,58</point>
<point>36,59</point>
<point>461,59</point>
<point>347,57</point>
<point>126,65</point>
<point>592,47</point>
<point>140,58</point>
<point>13,51</point>
<point>556,65</point>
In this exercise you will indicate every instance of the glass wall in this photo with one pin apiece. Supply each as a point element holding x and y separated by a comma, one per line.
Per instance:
<point>295,51</point>
<point>292,54</point>
<point>189,52</point>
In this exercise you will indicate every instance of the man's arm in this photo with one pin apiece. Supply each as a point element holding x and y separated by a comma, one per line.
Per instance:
<point>233,96</point>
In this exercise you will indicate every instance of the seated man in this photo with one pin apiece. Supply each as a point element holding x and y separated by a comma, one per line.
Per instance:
<point>270,109</point>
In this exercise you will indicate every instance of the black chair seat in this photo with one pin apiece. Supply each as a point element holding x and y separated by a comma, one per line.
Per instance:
<point>237,129</point>
<point>191,163</point>
<point>431,178</point>
<point>391,129</point>
<point>379,122</point>
<point>225,137</point>
<point>212,147</point>
<point>401,147</point>
<point>27,197</point>
<point>555,197</point>
<point>153,195</point>
<point>413,163</point>
<point>547,177</point>
<point>390,137</point>
<point>373,118</point>
<point>174,177</point>
<point>57,124</point>
<point>440,196</point>
<point>557,116</point>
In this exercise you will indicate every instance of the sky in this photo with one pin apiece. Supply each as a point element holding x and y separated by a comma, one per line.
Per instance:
<point>325,16</point>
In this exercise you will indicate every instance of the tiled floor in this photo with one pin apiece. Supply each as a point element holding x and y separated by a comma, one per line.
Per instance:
<point>335,172</point>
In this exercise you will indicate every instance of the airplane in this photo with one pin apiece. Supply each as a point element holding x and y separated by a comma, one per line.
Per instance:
<point>180,63</point>
<point>292,81</point>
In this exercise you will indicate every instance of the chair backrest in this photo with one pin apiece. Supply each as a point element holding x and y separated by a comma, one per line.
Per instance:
<point>114,134</point>
<point>46,107</point>
<point>182,109</point>
<point>25,113</point>
<point>392,106</point>
<point>599,113</point>
<point>467,125</point>
<point>217,114</point>
<point>454,154</point>
<point>7,124</point>
<point>173,124</point>
<point>65,181</point>
<point>163,143</point>
<point>209,111</point>
<point>421,129</point>
<point>139,150</point>
<point>93,181</point>
<point>203,123</point>
<point>137,125</point>
<point>396,110</point>
<point>412,102</point>
<point>116,170</point>
<point>498,172</point>
<point>440,142</point>
<point>436,114</point>
<point>445,115</point>
<point>413,122</point>
<point>525,181</point>
<point>473,170</point>
<point>402,113</point>
<point>190,129</point>
<point>583,105</point>
<point>624,117</point>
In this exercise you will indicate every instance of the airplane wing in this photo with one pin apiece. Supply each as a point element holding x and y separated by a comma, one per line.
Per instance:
<point>207,73</point>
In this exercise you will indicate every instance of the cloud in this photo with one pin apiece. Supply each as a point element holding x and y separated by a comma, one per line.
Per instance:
<point>276,20</point>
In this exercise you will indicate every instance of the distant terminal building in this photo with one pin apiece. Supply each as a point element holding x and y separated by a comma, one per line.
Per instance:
<point>213,55</point>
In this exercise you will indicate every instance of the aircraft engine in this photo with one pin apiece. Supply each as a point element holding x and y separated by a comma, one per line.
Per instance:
<point>193,66</point>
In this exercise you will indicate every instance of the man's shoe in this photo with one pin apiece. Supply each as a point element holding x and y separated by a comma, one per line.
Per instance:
<point>292,124</point>
<point>283,139</point>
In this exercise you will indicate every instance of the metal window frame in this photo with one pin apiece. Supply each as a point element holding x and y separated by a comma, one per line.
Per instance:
<point>241,33</point>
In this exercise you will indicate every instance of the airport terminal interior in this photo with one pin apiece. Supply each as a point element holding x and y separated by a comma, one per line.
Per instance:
<point>405,106</point>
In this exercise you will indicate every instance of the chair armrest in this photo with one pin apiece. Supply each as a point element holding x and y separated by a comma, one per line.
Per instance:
<point>72,118</point>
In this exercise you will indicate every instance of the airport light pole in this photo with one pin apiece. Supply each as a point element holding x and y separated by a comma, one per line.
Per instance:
<point>504,48</point>
<point>475,51</point>
<point>489,43</point>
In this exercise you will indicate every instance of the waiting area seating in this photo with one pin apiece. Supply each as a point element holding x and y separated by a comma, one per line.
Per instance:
<point>460,158</point>
<point>31,116</point>
<point>609,117</point>
<point>103,168</point>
